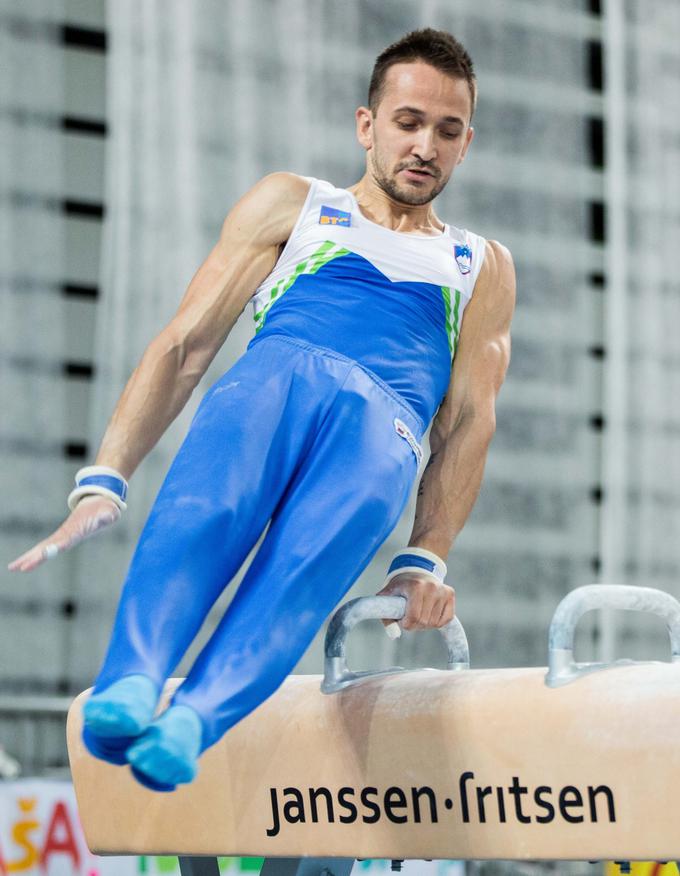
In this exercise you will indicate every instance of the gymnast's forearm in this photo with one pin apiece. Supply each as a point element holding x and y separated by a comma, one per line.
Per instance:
<point>157,391</point>
<point>450,484</point>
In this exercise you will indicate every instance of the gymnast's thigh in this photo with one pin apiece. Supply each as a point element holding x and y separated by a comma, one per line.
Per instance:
<point>345,499</point>
<point>224,484</point>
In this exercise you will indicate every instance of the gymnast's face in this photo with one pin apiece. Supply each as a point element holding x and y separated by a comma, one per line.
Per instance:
<point>419,133</point>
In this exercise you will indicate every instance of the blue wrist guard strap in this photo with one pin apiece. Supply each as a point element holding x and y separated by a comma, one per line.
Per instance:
<point>413,559</point>
<point>102,481</point>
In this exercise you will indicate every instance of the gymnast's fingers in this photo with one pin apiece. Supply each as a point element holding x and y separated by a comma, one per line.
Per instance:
<point>89,516</point>
<point>428,605</point>
<point>448,607</point>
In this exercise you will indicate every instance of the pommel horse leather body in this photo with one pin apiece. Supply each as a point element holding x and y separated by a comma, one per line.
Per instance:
<point>425,764</point>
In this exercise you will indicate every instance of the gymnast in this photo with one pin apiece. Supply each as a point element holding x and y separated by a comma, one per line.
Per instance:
<point>358,297</point>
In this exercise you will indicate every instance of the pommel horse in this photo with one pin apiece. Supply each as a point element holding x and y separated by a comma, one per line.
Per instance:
<point>575,763</point>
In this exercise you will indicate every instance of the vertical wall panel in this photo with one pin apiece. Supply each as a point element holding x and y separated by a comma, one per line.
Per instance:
<point>44,247</point>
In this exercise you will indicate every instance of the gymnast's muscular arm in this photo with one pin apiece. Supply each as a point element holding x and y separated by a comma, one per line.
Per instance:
<point>176,359</point>
<point>466,421</point>
<point>460,437</point>
<point>179,356</point>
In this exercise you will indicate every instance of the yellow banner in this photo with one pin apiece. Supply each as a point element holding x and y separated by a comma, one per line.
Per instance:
<point>643,868</point>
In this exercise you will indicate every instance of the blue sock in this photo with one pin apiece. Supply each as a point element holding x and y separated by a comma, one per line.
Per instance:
<point>167,752</point>
<point>124,708</point>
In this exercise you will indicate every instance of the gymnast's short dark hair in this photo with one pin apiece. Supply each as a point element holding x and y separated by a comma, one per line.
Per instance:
<point>438,48</point>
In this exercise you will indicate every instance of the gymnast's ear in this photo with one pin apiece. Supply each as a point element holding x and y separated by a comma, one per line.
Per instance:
<point>469,134</point>
<point>364,120</point>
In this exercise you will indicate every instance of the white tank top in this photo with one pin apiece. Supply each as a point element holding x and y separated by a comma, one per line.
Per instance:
<point>392,301</point>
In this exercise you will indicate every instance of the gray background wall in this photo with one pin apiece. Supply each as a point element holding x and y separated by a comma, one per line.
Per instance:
<point>53,120</point>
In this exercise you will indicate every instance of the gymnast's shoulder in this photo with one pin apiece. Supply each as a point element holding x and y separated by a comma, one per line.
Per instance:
<point>497,272</point>
<point>271,207</point>
<point>282,189</point>
<point>283,184</point>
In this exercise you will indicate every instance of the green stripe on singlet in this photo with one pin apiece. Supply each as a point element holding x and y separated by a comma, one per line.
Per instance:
<point>319,255</point>
<point>446,292</point>
<point>317,260</point>
<point>451,316</point>
<point>456,326</point>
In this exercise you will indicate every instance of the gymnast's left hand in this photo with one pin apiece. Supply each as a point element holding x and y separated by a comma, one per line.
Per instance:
<point>91,514</point>
<point>429,603</point>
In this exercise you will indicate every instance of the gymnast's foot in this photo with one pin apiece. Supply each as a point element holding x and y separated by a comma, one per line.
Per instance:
<point>114,718</point>
<point>166,755</point>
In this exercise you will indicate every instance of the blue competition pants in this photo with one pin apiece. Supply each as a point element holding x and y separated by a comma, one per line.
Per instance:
<point>292,433</point>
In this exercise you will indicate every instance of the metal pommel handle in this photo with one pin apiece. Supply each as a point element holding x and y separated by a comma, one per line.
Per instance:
<point>561,665</point>
<point>336,673</point>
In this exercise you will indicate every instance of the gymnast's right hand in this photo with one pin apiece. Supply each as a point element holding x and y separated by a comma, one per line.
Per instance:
<point>92,514</point>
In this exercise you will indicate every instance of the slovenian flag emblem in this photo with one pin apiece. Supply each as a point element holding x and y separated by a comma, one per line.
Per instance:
<point>463,256</point>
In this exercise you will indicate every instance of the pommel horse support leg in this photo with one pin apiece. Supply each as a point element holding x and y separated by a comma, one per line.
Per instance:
<point>199,867</point>
<point>579,763</point>
<point>274,867</point>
